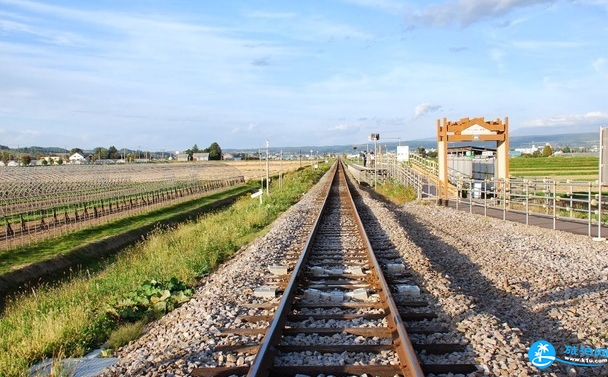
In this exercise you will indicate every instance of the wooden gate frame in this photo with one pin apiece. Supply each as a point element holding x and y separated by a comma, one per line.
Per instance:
<point>474,130</point>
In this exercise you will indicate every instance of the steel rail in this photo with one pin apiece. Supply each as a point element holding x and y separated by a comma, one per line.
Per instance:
<point>263,363</point>
<point>264,359</point>
<point>408,361</point>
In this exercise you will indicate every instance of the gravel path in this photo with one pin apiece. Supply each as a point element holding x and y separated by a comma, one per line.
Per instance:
<point>506,285</point>
<point>499,286</point>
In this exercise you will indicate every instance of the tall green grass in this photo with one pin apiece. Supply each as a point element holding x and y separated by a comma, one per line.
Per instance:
<point>70,318</point>
<point>396,192</point>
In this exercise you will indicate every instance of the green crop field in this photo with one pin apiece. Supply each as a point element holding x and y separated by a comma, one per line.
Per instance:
<point>556,167</point>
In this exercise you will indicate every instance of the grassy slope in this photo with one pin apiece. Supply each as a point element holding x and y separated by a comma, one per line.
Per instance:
<point>9,259</point>
<point>70,318</point>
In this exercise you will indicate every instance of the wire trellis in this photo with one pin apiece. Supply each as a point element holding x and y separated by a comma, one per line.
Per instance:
<point>41,202</point>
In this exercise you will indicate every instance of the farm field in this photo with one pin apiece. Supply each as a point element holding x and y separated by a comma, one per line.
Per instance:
<point>251,169</point>
<point>557,168</point>
<point>42,202</point>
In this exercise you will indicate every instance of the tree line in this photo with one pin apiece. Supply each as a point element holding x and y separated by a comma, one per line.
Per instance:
<point>214,150</point>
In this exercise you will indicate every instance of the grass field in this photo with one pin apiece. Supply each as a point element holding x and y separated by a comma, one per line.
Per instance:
<point>556,167</point>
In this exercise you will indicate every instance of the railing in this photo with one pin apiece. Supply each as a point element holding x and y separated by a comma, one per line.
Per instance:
<point>424,163</point>
<point>389,168</point>
<point>569,205</point>
<point>580,202</point>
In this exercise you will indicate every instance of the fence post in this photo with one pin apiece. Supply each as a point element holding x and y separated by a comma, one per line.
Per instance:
<point>527,201</point>
<point>554,203</point>
<point>589,212</point>
<point>599,211</point>
<point>504,199</point>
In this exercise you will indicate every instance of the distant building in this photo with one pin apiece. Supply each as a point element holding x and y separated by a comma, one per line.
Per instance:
<point>200,156</point>
<point>471,151</point>
<point>530,150</point>
<point>76,158</point>
<point>181,157</point>
<point>54,159</point>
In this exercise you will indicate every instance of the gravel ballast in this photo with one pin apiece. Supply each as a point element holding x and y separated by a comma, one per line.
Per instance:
<point>505,285</point>
<point>499,287</point>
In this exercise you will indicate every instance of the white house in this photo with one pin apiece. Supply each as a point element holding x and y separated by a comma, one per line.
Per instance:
<point>200,156</point>
<point>76,158</point>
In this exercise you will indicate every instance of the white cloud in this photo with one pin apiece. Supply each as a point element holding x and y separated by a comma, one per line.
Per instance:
<point>589,119</point>
<point>425,108</point>
<point>466,12</point>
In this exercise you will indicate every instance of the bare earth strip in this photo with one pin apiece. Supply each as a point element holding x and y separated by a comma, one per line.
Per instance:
<point>254,170</point>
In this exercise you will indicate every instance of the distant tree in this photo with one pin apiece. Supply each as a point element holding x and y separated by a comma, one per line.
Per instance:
<point>26,159</point>
<point>421,151</point>
<point>547,151</point>
<point>536,154</point>
<point>99,153</point>
<point>215,152</point>
<point>566,149</point>
<point>60,161</point>
<point>51,161</point>
<point>76,150</point>
<point>431,154</point>
<point>195,149</point>
<point>5,156</point>
<point>45,162</point>
<point>113,153</point>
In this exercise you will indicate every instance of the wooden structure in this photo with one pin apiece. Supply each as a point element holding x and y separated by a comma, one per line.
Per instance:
<point>469,130</point>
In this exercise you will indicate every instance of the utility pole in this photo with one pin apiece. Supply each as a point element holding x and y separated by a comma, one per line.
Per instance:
<point>267,168</point>
<point>281,172</point>
<point>261,174</point>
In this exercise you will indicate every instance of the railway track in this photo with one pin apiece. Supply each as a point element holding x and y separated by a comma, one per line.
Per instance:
<point>346,309</point>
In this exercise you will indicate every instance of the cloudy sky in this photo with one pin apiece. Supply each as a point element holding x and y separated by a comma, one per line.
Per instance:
<point>152,74</point>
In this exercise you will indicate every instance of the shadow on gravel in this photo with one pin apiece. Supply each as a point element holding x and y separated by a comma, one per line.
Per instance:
<point>381,242</point>
<point>467,279</point>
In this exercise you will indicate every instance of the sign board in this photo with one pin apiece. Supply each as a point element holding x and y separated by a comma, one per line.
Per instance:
<point>403,153</point>
<point>476,129</point>
<point>604,156</point>
<point>256,194</point>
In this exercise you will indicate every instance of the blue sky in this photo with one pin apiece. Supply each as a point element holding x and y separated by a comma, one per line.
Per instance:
<point>153,74</point>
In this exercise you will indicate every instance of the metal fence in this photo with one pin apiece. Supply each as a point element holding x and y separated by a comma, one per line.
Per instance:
<point>388,168</point>
<point>580,202</point>
<point>576,206</point>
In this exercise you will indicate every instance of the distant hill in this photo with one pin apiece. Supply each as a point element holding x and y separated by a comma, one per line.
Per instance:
<point>572,140</point>
<point>44,150</point>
